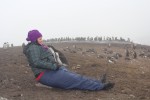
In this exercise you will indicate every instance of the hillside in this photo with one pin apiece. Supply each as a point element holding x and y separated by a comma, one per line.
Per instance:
<point>131,74</point>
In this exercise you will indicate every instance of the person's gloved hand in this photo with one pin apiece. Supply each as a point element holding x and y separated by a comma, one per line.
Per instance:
<point>57,65</point>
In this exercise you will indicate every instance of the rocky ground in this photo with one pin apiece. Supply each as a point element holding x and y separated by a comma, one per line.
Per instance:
<point>131,76</point>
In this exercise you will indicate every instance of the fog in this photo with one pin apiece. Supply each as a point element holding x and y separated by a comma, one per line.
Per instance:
<point>74,18</point>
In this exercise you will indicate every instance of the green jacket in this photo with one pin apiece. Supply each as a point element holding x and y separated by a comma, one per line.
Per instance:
<point>39,58</point>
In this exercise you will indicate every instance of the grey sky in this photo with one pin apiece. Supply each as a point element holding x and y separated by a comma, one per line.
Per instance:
<point>60,18</point>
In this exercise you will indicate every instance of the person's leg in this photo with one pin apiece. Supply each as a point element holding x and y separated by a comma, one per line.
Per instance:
<point>65,79</point>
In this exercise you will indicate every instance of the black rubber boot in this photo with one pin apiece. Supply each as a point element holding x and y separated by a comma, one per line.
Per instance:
<point>108,86</point>
<point>103,78</point>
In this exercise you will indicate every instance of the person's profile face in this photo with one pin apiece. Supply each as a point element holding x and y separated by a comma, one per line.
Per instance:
<point>40,41</point>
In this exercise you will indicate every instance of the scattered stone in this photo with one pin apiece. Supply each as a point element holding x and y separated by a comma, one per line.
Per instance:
<point>143,72</point>
<point>76,67</point>
<point>100,56</point>
<point>2,98</point>
<point>42,85</point>
<point>132,96</point>
<point>26,72</point>
<point>111,61</point>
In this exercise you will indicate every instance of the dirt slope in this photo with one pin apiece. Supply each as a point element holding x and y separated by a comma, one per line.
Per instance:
<point>131,77</point>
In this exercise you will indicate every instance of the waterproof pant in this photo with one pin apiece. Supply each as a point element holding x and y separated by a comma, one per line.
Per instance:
<point>65,79</point>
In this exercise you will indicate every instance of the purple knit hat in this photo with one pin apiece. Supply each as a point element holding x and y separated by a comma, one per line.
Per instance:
<point>33,35</point>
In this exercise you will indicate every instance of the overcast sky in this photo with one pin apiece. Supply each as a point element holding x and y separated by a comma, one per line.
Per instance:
<point>61,18</point>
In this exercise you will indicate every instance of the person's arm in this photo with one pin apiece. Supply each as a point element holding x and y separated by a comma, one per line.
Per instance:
<point>34,56</point>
